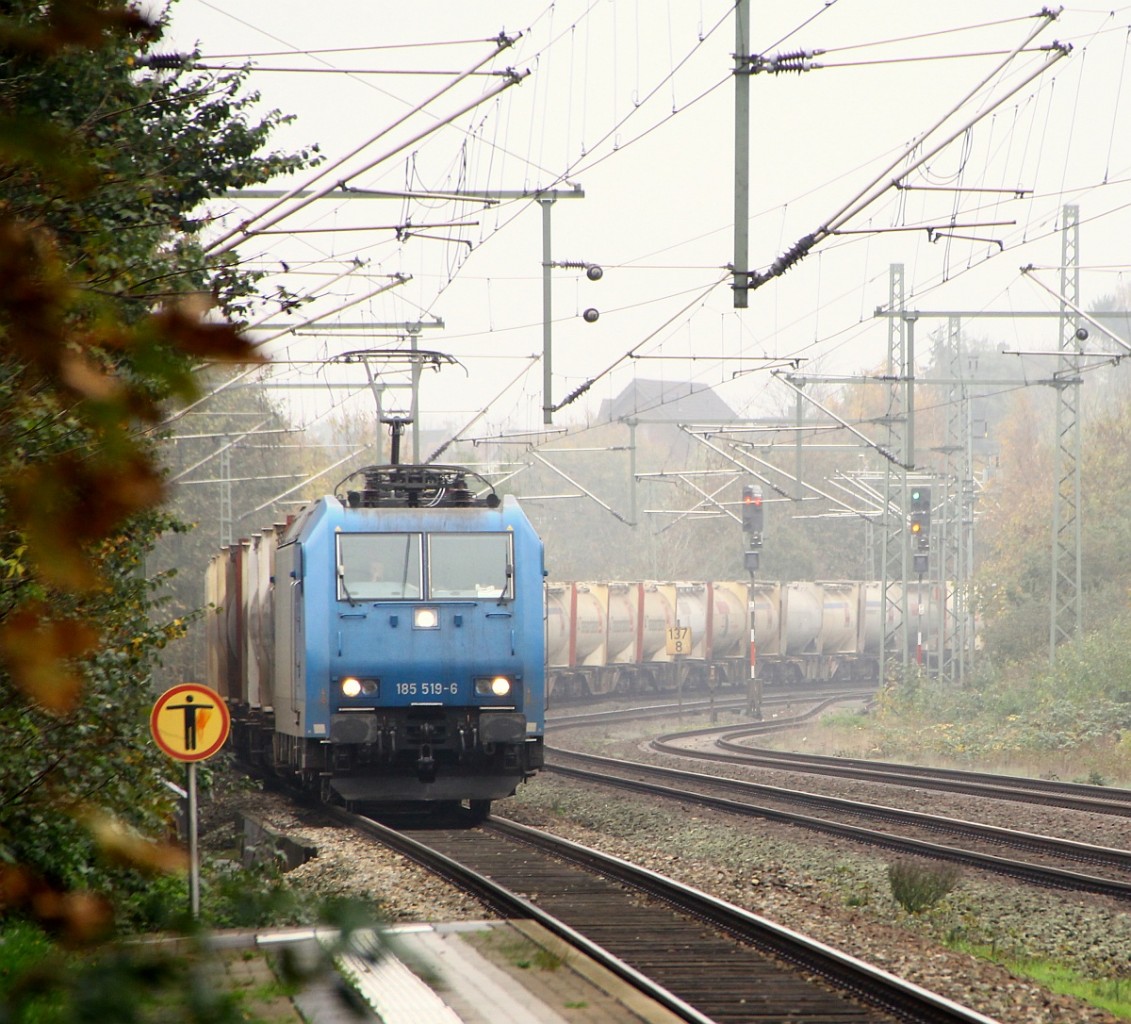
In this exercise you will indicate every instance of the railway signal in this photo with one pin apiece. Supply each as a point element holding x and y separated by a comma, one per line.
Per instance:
<point>752,524</point>
<point>190,723</point>
<point>920,526</point>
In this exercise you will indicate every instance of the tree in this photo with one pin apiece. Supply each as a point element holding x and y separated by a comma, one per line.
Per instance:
<point>104,293</point>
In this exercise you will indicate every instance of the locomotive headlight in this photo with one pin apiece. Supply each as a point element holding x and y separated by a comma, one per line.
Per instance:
<point>352,686</point>
<point>493,686</point>
<point>425,618</point>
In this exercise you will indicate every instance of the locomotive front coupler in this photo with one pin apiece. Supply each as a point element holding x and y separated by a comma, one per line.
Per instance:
<point>468,738</point>
<point>426,764</point>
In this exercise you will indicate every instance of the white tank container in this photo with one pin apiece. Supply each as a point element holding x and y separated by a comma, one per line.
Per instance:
<point>765,616</point>
<point>691,612</point>
<point>658,616</point>
<point>730,620</point>
<point>840,618</point>
<point>802,617</point>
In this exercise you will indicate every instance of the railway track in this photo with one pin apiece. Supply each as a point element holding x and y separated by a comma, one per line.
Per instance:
<point>568,717</point>
<point>1046,855</point>
<point>731,749</point>
<point>731,745</point>
<point>703,959</point>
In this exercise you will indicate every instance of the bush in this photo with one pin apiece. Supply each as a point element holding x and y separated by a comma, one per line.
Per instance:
<point>917,886</point>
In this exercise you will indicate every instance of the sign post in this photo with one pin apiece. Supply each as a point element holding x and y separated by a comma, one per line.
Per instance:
<point>190,723</point>
<point>677,646</point>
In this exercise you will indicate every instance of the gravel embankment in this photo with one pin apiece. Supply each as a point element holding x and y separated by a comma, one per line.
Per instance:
<point>832,889</point>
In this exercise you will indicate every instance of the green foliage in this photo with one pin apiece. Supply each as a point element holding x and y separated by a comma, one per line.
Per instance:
<point>120,983</point>
<point>1034,709</point>
<point>1014,537</point>
<point>103,291</point>
<point>919,886</point>
<point>44,980</point>
<point>1111,993</point>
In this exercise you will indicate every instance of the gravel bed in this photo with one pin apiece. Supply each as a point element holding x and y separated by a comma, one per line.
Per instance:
<point>1079,826</point>
<point>831,889</point>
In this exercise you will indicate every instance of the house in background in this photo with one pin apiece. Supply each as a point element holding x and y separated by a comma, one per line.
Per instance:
<point>652,401</point>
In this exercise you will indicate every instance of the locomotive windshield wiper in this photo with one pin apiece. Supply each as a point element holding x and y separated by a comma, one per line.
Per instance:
<point>345,589</point>
<point>506,584</point>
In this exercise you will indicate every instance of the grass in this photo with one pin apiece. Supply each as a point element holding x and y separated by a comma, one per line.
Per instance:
<point>848,734</point>
<point>1111,994</point>
<point>42,983</point>
<point>517,950</point>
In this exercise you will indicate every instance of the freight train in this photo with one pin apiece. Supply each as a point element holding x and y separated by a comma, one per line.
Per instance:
<point>611,638</point>
<point>387,645</point>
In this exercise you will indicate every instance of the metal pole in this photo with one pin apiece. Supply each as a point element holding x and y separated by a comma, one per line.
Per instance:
<point>377,389</point>
<point>741,153</point>
<point>798,487</point>
<point>632,470</point>
<point>194,850</point>
<point>547,313</point>
<point>909,364</point>
<point>414,414</point>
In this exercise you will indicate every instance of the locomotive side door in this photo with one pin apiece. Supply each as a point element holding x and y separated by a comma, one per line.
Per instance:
<point>289,646</point>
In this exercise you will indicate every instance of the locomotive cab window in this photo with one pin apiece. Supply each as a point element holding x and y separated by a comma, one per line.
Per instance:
<point>378,565</point>
<point>470,565</point>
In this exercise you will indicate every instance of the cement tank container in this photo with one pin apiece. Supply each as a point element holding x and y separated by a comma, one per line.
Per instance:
<point>840,618</point>
<point>925,602</point>
<point>658,614</point>
<point>691,612</point>
<point>624,606</point>
<point>590,617</point>
<point>558,619</point>
<point>215,623</point>
<point>765,617</point>
<point>249,587</point>
<point>802,617</point>
<point>729,620</point>
<point>261,618</point>
<point>233,621</point>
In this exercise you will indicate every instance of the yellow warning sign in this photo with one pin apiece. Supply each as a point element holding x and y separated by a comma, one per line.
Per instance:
<point>190,722</point>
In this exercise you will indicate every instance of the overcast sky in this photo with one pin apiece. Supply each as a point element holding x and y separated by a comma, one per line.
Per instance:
<point>632,101</point>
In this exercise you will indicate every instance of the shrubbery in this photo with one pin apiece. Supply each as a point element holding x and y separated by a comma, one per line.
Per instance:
<point>1084,699</point>
<point>919,886</point>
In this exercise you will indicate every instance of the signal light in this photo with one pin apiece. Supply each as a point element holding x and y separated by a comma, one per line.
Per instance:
<point>920,522</point>
<point>752,512</point>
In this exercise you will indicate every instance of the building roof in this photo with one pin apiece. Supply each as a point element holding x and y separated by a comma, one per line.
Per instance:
<point>672,401</point>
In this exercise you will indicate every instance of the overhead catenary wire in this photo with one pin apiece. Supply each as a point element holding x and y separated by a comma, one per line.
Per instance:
<point>863,198</point>
<point>399,280</point>
<point>368,48</point>
<point>531,361</point>
<point>302,483</point>
<point>622,144</point>
<point>579,391</point>
<point>225,241</point>
<point>882,183</point>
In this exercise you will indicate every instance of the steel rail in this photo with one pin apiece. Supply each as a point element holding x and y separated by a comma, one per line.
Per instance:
<point>511,903</point>
<point>854,975</point>
<point>1039,874</point>
<point>848,974</point>
<point>1051,792</point>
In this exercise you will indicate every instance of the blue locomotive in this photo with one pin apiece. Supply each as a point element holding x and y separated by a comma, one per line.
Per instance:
<point>387,645</point>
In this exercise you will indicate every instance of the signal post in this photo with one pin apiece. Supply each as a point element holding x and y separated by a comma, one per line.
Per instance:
<point>190,723</point>
<point>752,523</point>
<point>919,527</point>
